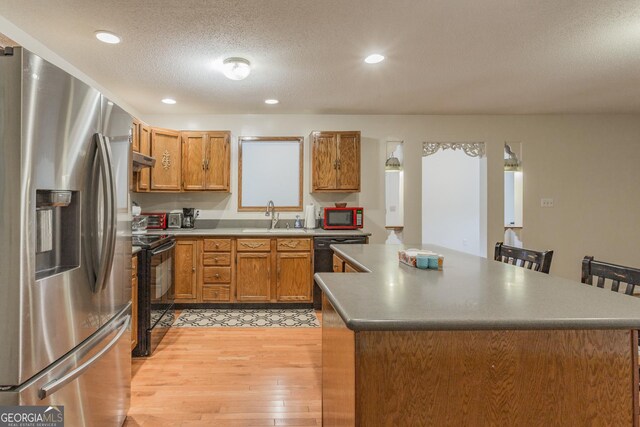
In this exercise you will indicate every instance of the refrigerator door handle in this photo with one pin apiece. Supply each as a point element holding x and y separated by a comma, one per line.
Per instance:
<point>112,223</point>
<point>109,228</point>
<point>54,385</point>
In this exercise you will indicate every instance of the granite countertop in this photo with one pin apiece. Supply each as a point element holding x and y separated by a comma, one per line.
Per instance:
<point>470,293</point>
<point>262,232</point>
<point>135,250</point>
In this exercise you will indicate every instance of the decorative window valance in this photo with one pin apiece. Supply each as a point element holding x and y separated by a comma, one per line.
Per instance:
<point>472,149</point>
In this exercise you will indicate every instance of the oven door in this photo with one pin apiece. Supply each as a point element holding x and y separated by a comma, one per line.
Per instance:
<point>161,282</point>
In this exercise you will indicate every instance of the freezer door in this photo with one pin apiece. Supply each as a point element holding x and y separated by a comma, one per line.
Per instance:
<point>116,127</point>
<point>49,305</point>
<point>92,382</point>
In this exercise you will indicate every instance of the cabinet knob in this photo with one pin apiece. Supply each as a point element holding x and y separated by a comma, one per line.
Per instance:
<point>217,276</point>
<point>193,269</point>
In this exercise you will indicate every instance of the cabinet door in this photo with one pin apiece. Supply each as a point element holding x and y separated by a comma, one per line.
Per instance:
<point>193,160</point>
<point>349,161</point>
<point>253,276</point>
<point>323,161</point>
<point>144,176</point>
<point>338,264</point>
<point>217,162</point>
<point>167,172</point>
<point>135,135</point>
<point>294,276</point>
<point>186,270</point>
<point>349,269</point>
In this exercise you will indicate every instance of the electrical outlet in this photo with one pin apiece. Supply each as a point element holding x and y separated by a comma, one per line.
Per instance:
<point>546,203</point>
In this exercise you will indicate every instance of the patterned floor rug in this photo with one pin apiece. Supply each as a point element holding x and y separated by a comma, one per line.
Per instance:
<point>247,318</point>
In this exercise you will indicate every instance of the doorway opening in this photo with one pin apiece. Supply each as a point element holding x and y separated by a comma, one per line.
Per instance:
<point>454,197</point>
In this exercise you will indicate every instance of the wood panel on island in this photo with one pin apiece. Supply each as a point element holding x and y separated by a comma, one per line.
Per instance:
<point>244,270</point>
<point>185,160</point>
<point>342,266</point>
<point>335,162</point>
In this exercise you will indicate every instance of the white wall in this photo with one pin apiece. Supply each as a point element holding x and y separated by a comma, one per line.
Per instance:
<point>587,163</point>
<point>451,201</point>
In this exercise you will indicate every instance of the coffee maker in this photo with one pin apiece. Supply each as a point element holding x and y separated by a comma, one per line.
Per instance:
<point>189,216</point>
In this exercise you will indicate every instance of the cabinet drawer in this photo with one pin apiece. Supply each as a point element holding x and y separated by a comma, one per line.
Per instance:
<point>215,293</point>
<point>217,275</point>
<point>254,245</point>
<point>293,244</point>
<point>217,245</point>
<point>216,259</point>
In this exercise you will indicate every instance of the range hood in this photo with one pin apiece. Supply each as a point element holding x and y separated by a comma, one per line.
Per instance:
<point>140,161</point>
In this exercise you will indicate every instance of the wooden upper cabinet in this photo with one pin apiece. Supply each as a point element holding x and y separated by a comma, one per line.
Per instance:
<point>324,161</point>
<point>166,175</point>
<point>193,160</point>
<point>294,276</point>
<point>348,161</point>
<point>206,158</point>
<point>218,161</point>
<point>144,176</point>
<point>135,135</point>
<point>335,161</point>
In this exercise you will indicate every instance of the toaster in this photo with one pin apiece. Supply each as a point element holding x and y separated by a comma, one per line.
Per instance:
<point>174,220</point>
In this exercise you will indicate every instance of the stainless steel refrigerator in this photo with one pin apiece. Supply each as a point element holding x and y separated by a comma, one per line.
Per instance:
<point>65,244</point>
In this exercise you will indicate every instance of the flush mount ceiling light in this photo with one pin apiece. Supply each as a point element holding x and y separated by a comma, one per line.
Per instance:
<point>374,58</point>
<point>271,101</point>
<point>169,101</point>
<point>107,37</point>
<point>236,68</point>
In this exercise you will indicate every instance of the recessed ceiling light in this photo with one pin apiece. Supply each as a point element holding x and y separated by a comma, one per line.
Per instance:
<point>236,68</point>
<point>271,101</point>
<point>107,37</point>
<point>374,58</point>
<point>169,101</point>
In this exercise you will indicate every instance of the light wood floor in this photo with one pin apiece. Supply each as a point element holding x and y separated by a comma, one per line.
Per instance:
<point>230,377</point>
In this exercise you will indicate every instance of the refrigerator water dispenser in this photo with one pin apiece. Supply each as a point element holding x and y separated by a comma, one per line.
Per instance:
<point>57,232</point>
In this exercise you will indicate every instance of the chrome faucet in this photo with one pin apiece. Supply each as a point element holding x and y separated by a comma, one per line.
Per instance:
<point>275,217</point>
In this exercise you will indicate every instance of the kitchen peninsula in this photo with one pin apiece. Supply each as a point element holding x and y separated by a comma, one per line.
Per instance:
<point>480,342</point>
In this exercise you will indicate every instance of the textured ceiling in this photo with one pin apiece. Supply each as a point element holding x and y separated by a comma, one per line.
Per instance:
<point>443,57</point>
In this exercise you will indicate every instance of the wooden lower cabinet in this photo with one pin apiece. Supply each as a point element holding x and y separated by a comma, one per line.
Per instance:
<point>342,266</point>
<point>253,276</point>
<point>186,267</point>
<point>294,277</point>
<point>237,269</point>
<point>134,301</point>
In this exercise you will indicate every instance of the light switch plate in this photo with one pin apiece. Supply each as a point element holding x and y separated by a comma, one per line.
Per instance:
<point>546,203</point>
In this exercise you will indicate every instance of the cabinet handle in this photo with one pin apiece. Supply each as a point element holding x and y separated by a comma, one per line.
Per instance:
<point>335,164</point>
<point>207,164</point>
<point>290,243</point>
<point>203,164</point>
<point>193,269</point>
<point>251,245</point>
<point>338,163</point>
<point>217,275</point>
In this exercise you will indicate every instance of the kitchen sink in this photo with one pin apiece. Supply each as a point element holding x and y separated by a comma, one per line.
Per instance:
<point>273,230</point>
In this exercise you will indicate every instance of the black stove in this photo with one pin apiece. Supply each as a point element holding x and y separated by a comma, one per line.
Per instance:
<point>156,290</point>
<point>150,241</point>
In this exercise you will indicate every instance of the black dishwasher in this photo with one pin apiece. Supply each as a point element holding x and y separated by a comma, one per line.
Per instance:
<point>323,258</point>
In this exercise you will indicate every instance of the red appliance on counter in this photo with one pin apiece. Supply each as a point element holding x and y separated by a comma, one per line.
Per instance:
<point>347,218</point>
<point>156,220</point>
